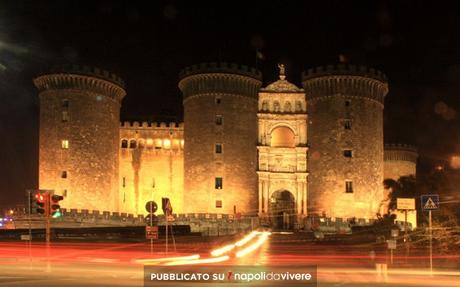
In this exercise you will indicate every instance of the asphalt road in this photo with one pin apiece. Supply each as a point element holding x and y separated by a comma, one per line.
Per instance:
<point>122,264</point>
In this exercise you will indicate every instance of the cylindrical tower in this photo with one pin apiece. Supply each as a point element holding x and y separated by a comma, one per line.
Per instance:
<point>220,138</point>
<point>79,136</point>
<point>400,160</point>
<point>345,107</point>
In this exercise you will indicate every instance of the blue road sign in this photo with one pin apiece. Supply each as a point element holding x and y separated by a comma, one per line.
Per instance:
<point>430,201</point>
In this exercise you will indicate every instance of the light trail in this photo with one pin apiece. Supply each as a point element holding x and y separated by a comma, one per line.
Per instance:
<point>263,237</point>
<point>222,250</point>
<point>159,260</point>
<point>199,261</point>
<point>246,239</point>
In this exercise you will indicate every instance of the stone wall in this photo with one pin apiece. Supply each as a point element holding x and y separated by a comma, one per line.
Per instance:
<point>151,165</point>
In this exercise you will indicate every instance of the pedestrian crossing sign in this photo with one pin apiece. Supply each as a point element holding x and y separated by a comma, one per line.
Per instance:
<point>430,201</point>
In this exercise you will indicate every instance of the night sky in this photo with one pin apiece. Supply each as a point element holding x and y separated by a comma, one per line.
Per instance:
<point>416,43</point>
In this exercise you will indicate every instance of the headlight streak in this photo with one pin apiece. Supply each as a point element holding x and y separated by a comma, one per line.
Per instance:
<point>247,238</point>
<point>159,260</point>
<point>263,237</point>
<point>216,253</point>
<point>222,250</point>
<point>199,261</point>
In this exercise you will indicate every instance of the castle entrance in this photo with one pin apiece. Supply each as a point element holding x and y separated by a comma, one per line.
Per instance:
<point>282,210</point>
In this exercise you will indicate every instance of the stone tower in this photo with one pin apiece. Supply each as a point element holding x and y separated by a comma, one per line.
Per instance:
<point>79,136</point>
<point>400,160</point>
<point>220,138</point>
<point>345,136</point>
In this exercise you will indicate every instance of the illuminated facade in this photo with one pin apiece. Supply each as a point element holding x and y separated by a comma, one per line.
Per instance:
<point>241,149</point>
<point>282,146</point>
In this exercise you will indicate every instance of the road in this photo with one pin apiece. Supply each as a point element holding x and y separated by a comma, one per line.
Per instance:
<point>121,264</point>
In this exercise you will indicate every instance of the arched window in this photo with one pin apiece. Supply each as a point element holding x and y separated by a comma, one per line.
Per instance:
<point>264,106</point>
<point>287,107</point>
<point>276,106</point>
<point>141,143</point>
<point>167,143</point>
<point>282,137</point>
<point>124,143</point>
<point>132,144</point>
<point>149,143</point>
<point>158,144</point>
<point>298,106</point>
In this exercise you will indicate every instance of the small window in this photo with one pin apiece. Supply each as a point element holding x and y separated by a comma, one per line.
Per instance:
<point>218,203</point>
<point>65,116</point>
<point>347,103</point>
<point>349,186</point>
<point>158,144</point>
<point>219,120</point>
<point>124,182</point>
<point>65,103</point>
<point>141,144</point>
<point>132,144</point>
<point>64,174</point>
<point>65,144</point>
<point>218,148</point>
<point>64,193</point>
<point>347,124</point>
<point>218,183</point>
<point>348,153</point>
<point>218,100</point>
<point>124,144</point>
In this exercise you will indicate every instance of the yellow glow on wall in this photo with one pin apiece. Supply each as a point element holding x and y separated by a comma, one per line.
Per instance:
<point>149,143</point>
<point>176,144</point>
<point>167,143</point>
<point>65,144</point>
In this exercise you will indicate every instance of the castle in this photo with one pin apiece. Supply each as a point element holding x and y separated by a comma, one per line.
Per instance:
<point>279,152</point>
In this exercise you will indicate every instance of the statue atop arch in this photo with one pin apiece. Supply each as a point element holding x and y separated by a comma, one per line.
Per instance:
<point>282,71</point>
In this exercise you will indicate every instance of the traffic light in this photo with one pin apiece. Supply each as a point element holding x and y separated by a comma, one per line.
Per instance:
<point>40,201</point>
<point>55,208</point>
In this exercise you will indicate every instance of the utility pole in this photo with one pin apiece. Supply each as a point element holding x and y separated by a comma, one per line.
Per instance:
<point>29,200</point>
<point>431,242</point>
<point>48,217</point>
<point>151,215</point>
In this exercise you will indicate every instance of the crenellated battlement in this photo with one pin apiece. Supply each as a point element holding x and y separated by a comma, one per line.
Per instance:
<point>345,80</point>
<point>401,152</point>
<point>152,125</point>
<point>221,67</point>
<point>220,79</point>
<point>342,69</point>
<point>82,78</point>
<point>88,71</point>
